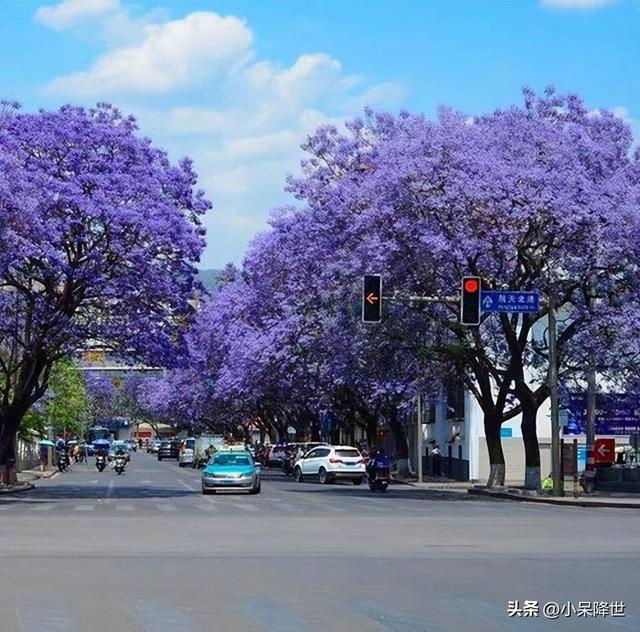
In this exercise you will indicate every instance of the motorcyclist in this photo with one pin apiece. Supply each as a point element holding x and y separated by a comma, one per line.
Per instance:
<point>119,454</point>
<point>377,460</point>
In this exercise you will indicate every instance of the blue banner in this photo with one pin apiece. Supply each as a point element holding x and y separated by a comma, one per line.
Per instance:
<point>616,414</point>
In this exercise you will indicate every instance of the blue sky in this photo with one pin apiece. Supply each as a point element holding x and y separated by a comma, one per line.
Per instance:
<point>238,85</point>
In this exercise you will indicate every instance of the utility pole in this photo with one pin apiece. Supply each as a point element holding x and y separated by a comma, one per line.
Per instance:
<point>553,394</point>
<point>589,472</point>
<point>419,437</point>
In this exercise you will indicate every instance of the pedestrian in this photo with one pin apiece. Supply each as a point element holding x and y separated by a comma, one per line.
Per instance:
<point>547,485</point>
<point>44,457</point>
<point>435,459</point>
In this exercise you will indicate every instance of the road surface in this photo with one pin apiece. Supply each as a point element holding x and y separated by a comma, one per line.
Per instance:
<point>147,552</point>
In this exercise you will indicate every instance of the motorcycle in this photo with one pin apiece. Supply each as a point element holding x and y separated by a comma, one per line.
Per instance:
<point>287,465</point>
<point>62,460</point>
<point>379,473</point>
<point>101,462</point>
<point>120,464</point>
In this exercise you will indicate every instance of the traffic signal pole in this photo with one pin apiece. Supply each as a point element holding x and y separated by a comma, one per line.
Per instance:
<point>419,437</point>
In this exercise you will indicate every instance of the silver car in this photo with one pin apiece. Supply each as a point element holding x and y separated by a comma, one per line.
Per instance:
<point>187,452</point>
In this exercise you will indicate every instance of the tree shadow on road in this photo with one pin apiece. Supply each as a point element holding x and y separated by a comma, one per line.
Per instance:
<point>394,491</point>
<point>54,493</point>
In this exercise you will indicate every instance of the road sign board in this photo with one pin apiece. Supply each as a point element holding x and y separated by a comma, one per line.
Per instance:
<point>506,301</point>
<point>569,459</point>
<point>604,450</point>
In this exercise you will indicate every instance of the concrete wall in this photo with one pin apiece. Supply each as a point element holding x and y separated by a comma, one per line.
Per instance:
<point>514,460</point>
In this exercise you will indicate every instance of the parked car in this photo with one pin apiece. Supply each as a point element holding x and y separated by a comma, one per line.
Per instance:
<point>231,470</point>
<point>154,446</point>
<point>169,449</point>
<point>330,463</point>
<point>187,452</point>
<point>118,445</point>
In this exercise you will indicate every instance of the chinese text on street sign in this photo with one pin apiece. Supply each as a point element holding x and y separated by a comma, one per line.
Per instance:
<point>506,301</point>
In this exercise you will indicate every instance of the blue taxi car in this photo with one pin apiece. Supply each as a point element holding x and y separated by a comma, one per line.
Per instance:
<point>233,471</point>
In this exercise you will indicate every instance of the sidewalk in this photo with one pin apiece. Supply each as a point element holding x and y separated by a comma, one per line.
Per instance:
<point>435,483</point>
<point>598,499</point>
<point>25,481</point>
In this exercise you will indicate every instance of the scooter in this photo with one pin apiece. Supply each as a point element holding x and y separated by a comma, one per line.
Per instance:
<point>62,461</point>
<point>379,473</point>
<point>101,462</point>
<point>120,464</point>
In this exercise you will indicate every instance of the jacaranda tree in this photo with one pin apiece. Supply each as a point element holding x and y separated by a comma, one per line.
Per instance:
<point>99,234</point>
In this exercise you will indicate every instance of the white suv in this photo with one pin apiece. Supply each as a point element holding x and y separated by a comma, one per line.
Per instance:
<point>331,462</point>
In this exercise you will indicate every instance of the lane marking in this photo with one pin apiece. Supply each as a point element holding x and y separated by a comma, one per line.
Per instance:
<point>52,617</point>
<point>45,507</point>
<point>245,507</point>
<point>125,508</point>
<point>84,508</point>
<point>155,615</point>
<point>110,488</point>
<point>189,487</point>
<point>207,507</point>
<point>166,508</point>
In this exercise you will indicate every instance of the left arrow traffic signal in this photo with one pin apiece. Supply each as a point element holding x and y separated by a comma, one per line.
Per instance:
<point>371,298</point>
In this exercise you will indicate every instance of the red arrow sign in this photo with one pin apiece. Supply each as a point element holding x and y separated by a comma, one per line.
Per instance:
<point>604,450</point>
<point>372,298</point>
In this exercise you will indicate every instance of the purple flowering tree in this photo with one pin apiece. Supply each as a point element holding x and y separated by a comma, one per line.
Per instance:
<point>99,234</point>
<point>539,197</point>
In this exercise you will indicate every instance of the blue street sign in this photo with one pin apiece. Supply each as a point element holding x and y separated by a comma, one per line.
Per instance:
<point>506,432</point>
<point>506,301</point>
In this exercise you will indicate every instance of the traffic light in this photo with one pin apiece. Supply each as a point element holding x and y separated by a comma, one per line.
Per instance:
<point>371,298</point>
<point>470,301</point>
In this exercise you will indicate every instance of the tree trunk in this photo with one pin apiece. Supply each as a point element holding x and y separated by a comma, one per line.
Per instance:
<point>372,430</point>
<point>400,441</point>
<point>494,448</point>
<point>531,446</point>
<point>8,432</point>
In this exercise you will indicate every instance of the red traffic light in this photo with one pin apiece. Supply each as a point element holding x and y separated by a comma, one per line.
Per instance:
<point>470,301</point>
<point>471,285</point>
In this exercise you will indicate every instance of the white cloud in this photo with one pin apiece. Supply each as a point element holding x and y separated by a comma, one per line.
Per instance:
<point>195,88</point>
<point>172,55</point>
<point>70,13</point>
<point>576,4</point>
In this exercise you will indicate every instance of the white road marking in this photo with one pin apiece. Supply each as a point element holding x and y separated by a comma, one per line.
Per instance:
<point>166,508</point>
<point>146,481</point>
<point>189,487</point>
<point>84,508</point>
<point>125,508</point>
<point>248,507</point>
<point>35,617</point>
<point>45,507</point>
<point>110,488</point>
<point>207,507</point>
<point>158,616</point>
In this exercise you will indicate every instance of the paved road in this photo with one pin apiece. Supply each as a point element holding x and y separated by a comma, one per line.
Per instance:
<point>146,551</point>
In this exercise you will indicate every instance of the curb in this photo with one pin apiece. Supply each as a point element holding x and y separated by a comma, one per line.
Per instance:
<point>16,489</point>
<point>576,502</point>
